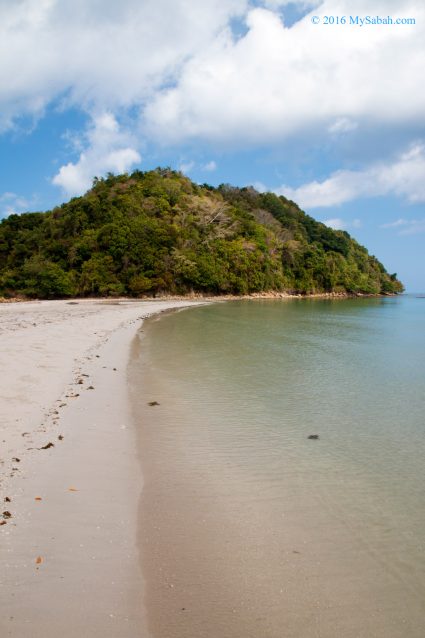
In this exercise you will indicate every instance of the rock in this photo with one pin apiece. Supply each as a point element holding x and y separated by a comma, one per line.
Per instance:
<point>153,403</point>
<point>46,447</point>
<point>7,499</point>
<point>313,436</point>
<point>7,514</point>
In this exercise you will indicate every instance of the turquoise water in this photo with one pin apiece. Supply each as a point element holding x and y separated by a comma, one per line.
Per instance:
<point>249,528</point>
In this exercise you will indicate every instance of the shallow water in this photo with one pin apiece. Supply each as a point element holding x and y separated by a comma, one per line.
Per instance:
<point>249,528</point>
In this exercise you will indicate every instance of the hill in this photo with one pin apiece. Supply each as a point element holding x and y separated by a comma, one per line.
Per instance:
<point>158,232</point>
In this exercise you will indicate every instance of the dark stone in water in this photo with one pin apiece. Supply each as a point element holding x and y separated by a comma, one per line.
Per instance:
<point>313,436</point>
<point>153,403</point>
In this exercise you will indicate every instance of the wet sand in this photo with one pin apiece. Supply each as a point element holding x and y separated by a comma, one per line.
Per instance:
<point>70,475</point>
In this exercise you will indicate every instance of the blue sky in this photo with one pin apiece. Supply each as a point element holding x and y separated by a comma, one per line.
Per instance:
<point>237,91</point>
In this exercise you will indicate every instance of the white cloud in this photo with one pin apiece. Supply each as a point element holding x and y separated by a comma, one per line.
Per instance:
<point>210,166</point>
<point>12,204</point>
<point>342,125</point>
<point>106,149</point>
<point>178,63</point>
<point>99,54</point>
<point>277,81</point>
<point>396,224</point>
<point>7,196</point>
<point>340,224</point>
<point>260,187</point>
<point>186,166</point>
<point>336,223</point>
<point>407,226</point>
<point>179,67</point>
<point>415,227</point>
<point>404,177</point>
<point>304,4</point>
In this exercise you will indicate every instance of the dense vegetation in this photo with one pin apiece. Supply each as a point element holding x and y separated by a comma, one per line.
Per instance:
<point>157,232</point>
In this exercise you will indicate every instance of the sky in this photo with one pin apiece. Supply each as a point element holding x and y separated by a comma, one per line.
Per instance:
<point>321,101</point>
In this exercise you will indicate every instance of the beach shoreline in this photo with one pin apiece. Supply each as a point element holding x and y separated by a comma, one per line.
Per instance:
<point>70,475</point>
<point>198,296</point>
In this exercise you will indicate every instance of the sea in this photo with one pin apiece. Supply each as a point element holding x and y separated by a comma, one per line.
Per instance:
<point>283,452</point>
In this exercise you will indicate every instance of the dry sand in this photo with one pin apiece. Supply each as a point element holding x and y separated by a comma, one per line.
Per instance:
<point>69,561</point>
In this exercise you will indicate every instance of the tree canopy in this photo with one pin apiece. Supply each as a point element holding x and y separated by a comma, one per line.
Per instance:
<point>158,232</point>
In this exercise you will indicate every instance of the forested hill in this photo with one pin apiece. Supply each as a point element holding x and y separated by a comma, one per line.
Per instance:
<point>157,232</point>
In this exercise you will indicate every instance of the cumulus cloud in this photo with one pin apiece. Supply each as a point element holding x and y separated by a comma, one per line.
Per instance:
<point>178,64</point>
<point>99,53</point>
<point>106,149</point>
<point>277,81</point>
<point>404,177</point>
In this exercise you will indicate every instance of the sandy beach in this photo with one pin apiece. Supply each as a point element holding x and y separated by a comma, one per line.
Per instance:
<point>70,476</point>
